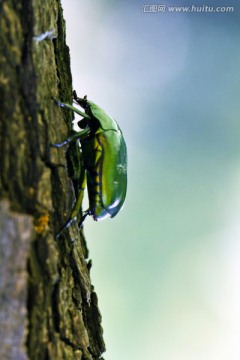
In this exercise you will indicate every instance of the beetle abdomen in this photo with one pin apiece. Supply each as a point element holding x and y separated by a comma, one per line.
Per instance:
<point>105,159</point>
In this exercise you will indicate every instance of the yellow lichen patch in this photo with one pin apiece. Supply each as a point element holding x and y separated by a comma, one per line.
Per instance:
<point>41,223</point>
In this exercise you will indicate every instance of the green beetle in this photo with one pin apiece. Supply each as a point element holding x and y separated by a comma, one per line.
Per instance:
<point>104,155</point>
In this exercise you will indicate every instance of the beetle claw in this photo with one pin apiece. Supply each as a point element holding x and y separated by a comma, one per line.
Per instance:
<point>58,145</point>
<point>59,103</point>
<point>85,214</point>
<point>64,227</point>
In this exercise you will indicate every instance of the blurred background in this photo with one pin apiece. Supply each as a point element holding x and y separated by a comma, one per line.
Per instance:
<point>167,268</point>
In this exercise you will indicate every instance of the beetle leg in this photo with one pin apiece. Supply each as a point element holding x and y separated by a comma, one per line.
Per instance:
<point>78,203</point>
<point>73,137</point>
<point>77,206</point>
<point>68,106</point>
<point>86,213</point>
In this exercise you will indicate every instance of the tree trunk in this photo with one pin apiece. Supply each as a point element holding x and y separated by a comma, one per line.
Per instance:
<point>48,309</point>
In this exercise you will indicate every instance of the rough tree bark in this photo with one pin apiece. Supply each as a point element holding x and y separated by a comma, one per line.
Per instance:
<point>48,307</point>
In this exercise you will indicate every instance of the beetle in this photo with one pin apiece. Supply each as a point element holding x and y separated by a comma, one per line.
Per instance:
<point>104,154</point>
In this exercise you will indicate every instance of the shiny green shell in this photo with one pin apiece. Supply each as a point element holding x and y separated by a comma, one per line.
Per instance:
<point>105,159</point>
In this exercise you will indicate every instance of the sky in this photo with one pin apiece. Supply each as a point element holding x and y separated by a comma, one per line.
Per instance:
<point>166,269</point>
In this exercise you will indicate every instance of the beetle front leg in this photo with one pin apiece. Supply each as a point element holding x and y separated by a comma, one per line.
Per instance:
<point>68,106</point>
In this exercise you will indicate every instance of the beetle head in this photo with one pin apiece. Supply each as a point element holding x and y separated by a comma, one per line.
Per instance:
<point>81,101</point>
